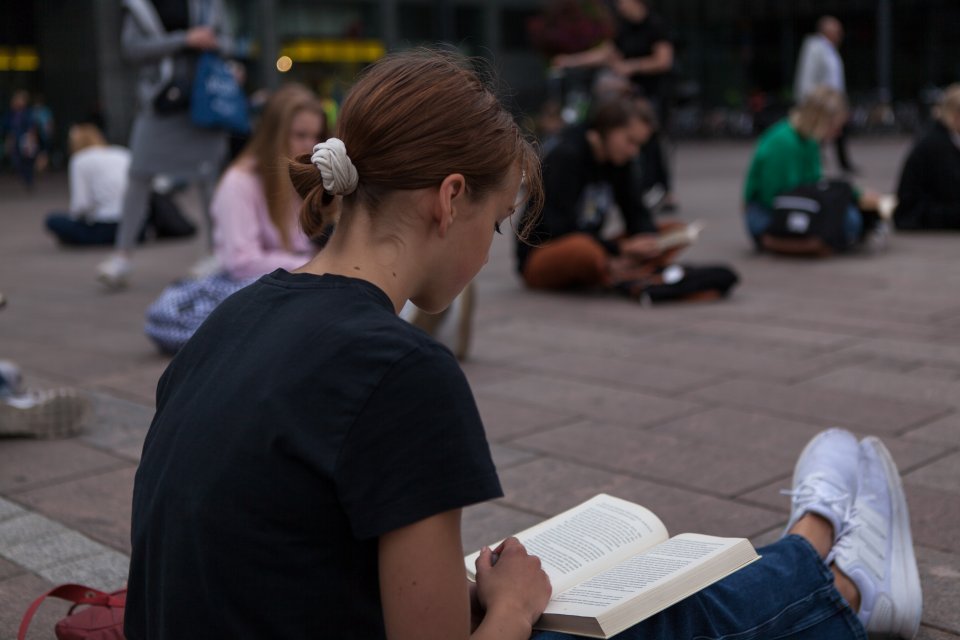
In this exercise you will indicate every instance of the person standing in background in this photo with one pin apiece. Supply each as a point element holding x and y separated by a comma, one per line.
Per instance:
<point>820,64</point>
<point>46,127</point>
<point>20,136</point>
<point>165,38</point>
<point>642,51</point>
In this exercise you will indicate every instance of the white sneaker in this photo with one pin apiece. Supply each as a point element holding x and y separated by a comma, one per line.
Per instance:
<point>114,271</point>
<point>11,380</point>
<point>876,552</point>
<point>825,479</point>
<point>51,413</point>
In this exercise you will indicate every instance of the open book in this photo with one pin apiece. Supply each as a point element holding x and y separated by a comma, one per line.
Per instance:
<point>679,237</point>
<point>612,564</point>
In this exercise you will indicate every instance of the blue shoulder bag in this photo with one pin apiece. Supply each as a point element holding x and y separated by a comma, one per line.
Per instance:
<point>218,102</point>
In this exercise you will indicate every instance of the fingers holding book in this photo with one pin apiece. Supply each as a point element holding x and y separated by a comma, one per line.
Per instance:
<point>510,577</point>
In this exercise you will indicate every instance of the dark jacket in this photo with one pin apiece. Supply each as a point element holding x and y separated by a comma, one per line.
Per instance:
<point>579,192</point>
<point>929,190</point>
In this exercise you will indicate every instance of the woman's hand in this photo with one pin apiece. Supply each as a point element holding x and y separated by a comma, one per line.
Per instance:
<point>869,200</point>
<point>202,38</point>
<point>512,585</point>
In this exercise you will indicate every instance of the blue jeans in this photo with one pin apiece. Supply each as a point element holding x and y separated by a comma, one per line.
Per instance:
<point>788,593</point>
<point>758,219</point>
<point>70,230</point>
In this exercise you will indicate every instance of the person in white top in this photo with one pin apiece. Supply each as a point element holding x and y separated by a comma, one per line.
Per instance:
<point>820,64</point>
<point>98,180</point>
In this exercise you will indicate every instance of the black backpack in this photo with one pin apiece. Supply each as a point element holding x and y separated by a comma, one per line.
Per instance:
<point>167,219</point>
<point>815,211</point>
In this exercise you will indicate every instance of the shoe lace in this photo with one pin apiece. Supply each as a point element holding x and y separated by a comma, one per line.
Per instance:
<point>846,541</point>
<point>807,493</point>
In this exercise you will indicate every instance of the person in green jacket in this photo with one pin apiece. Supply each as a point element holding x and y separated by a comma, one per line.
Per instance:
<point>788,156</point>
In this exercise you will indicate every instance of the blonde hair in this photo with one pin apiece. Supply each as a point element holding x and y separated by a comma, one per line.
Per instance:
<point>83,136</point>
<point>269,150</point>
<point>817,116</point>
<point>948,104</point>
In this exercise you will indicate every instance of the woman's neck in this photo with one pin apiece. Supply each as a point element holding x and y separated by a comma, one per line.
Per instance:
<point>357,253</point>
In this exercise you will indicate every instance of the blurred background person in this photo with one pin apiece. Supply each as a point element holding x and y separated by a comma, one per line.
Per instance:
<point>787,156</point>
<point>642,51</point>
<point>98,181</point>
<point>929,188</point>
<point>21,138</point>
<point>820,64</point>
<point>46,130</point>
<point>255,213</point>
<point>255,208</point>
<point>164,38</point>
<point>585,175</point>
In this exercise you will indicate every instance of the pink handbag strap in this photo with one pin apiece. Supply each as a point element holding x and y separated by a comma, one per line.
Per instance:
<point>75,593</point>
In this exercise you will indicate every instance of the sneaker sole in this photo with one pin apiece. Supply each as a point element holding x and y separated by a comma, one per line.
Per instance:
<point>59,416</point>
<point>905,578</point>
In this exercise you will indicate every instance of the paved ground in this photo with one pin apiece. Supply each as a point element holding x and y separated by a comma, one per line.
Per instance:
<point>695,411</point>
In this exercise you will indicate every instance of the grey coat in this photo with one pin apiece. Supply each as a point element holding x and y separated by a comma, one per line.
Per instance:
<point>169,144</point>
<point>147,44</point>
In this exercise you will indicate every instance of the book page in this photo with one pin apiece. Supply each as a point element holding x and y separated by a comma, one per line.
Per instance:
<point>680,237</point>
<point>635,575</point>
<point>582,541</point>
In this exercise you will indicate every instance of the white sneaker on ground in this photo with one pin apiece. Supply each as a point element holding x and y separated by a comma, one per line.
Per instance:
<point>876,552</point>
<point>825,479</point>
<point>51,413</point>
<point>11,380</point>
<point>114,271</point>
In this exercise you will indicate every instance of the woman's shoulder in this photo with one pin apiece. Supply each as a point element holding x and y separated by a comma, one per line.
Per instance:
<point>241,176</point>
<point>782,135</point>
<point>357,316</point>
<point>935,136</point>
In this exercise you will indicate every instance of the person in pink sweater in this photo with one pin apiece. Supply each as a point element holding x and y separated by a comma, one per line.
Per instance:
<point>255,212</point>
<point>255,207</point>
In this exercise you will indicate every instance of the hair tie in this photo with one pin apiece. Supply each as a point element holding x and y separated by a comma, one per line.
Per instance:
<point>336,170</point>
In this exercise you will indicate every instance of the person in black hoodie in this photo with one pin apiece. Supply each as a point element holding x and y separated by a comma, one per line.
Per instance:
<point>929,190</point>
<point>585,175</point>
<point>589,174</point>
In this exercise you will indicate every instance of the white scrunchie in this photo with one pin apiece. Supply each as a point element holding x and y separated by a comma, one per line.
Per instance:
<point>336,170</point>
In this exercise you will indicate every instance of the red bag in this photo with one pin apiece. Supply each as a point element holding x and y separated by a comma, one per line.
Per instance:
<point>102,620</point>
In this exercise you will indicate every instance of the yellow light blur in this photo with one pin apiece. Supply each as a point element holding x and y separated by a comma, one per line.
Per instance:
<point>334,50</point>
<point>284,64</point>
<point>19,59</point>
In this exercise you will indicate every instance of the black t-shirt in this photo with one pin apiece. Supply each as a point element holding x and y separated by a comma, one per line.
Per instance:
<point>579,194</point>
<point>302,421</point>
<point>637,40</point>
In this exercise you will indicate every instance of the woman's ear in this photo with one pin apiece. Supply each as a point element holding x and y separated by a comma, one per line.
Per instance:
<point>452,192</point>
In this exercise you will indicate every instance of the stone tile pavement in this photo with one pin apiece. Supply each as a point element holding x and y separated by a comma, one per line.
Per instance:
<point>695,411</point>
